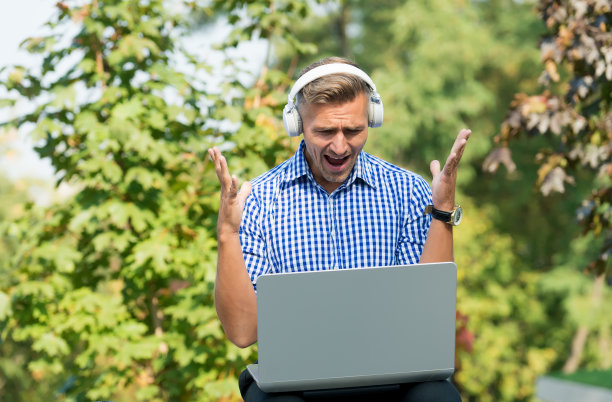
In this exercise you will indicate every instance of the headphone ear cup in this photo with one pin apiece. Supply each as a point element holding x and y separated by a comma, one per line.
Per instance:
<point>375,111</point>
<point>292,120</point>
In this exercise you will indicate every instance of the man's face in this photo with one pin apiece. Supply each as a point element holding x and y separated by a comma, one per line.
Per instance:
<point>334,135</point>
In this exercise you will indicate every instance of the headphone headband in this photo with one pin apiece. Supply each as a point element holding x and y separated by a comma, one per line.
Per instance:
<point>291,116</point>
<point>327,69</point>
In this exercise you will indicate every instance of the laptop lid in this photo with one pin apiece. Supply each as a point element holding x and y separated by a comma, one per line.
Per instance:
<point>355,327</point>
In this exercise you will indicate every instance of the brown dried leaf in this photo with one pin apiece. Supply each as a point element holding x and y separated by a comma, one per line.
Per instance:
<point>577,152</point>
<point>605,170</point>
<point>543,124</point>
<point>514,119</point>
<point>580,7</point>
<point>501,155</point>
<point>578,124</point>
<point>555,181</point>
<point>600,68</point>
<point>603,6</point>
<point>534,104</point>
<point>566,36</point>
<point>532,121</point>
<point>551,69</point>
<point>593,154</point>
<point>556,123</point>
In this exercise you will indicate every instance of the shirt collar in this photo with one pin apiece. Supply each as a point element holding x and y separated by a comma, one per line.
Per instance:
<point>363,170</point>
<point>298,167</point>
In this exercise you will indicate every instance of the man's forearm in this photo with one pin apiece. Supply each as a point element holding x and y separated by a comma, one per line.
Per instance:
<point>235,298</point>
<point>439,244</point>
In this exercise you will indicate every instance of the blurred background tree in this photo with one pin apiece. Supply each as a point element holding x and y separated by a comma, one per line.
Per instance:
<point>441,66</point>
<point>573,122</point>
<point>15,195</point>
<point>111,292</point>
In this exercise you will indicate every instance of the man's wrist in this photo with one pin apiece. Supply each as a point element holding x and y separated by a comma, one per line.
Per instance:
<point>452,217</point>
<point>227,235</point>
<point>444,206</point>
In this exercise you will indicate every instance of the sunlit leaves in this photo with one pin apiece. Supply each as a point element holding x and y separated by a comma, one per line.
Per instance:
<point>501,305</point>
<point>111,291</point>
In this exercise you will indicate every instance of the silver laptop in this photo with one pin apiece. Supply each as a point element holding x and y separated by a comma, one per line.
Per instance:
<point>355,327</point>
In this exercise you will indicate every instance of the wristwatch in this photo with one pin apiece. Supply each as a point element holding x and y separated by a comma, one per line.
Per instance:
<point>452,218</point>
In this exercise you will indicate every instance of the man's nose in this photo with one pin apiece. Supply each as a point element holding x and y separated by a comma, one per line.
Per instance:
<point>339,145</point>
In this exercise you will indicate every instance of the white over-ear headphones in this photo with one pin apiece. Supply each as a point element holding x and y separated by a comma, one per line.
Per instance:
<point>291,117</point>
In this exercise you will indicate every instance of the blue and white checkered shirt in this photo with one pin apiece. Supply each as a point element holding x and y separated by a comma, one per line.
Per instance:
<point>375,218</point>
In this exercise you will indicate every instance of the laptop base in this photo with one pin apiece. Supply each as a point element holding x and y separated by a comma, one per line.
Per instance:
<point>321,384</point>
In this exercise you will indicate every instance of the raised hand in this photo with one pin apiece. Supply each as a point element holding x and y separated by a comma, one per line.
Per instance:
<point>235,299</point>
<point>232,200</point>
<point>443,183</point>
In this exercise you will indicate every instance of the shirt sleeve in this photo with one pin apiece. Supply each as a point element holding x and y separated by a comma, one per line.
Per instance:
<point>253,241</point>
<point>416,226</point>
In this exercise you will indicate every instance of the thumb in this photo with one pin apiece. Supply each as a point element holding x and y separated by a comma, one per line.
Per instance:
<point>434,167</point>
<point>245,190</point>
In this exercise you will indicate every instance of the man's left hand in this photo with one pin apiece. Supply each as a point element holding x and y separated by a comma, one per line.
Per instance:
<point>443,183</point>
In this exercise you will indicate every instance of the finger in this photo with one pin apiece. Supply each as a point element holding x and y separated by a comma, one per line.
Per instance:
<point>245,190</point>
<point>214,152</point>
<point>462,138</point>
<point>464,133</point>
<point>233,190</point>
<point>434,167</point>
<point>452,162</point>
<point>460,142</point>
<point>223,172</point>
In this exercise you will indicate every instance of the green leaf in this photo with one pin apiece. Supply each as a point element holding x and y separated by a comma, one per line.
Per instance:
<point>5,306</point>
<point>52,345</point>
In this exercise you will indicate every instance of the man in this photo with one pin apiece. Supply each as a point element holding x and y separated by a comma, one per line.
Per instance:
<point>350,208</point>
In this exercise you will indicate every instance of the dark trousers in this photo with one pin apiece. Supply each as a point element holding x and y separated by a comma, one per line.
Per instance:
<point>414,392</point>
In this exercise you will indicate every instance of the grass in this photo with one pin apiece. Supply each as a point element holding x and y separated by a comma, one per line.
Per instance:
<point>598,378</point>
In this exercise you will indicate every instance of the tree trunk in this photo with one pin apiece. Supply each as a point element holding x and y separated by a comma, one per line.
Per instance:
<point>342,23</point>
<point>577,347</point>
<point>582,333</point>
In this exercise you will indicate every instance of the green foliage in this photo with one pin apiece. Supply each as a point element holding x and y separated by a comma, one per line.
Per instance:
<point>109,295</point>
<point>503,302</point>
<point>571,121</point>
<point>111,292</point>
<point>573,113</point>
<point>440,66</point>
<point>14,379</point>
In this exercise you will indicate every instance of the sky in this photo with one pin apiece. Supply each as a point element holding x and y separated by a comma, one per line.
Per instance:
<point>19,20</point>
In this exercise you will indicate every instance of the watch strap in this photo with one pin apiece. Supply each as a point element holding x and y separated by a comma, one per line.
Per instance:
<point>440,215</point>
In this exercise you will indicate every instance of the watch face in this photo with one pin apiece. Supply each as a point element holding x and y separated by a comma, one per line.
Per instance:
<point>457,215</point>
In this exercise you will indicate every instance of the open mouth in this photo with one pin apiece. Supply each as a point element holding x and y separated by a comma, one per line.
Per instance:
<point>336,161</point>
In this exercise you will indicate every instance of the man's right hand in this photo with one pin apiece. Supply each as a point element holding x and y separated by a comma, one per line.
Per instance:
<point>235,299</point>
<point>232,200</point>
